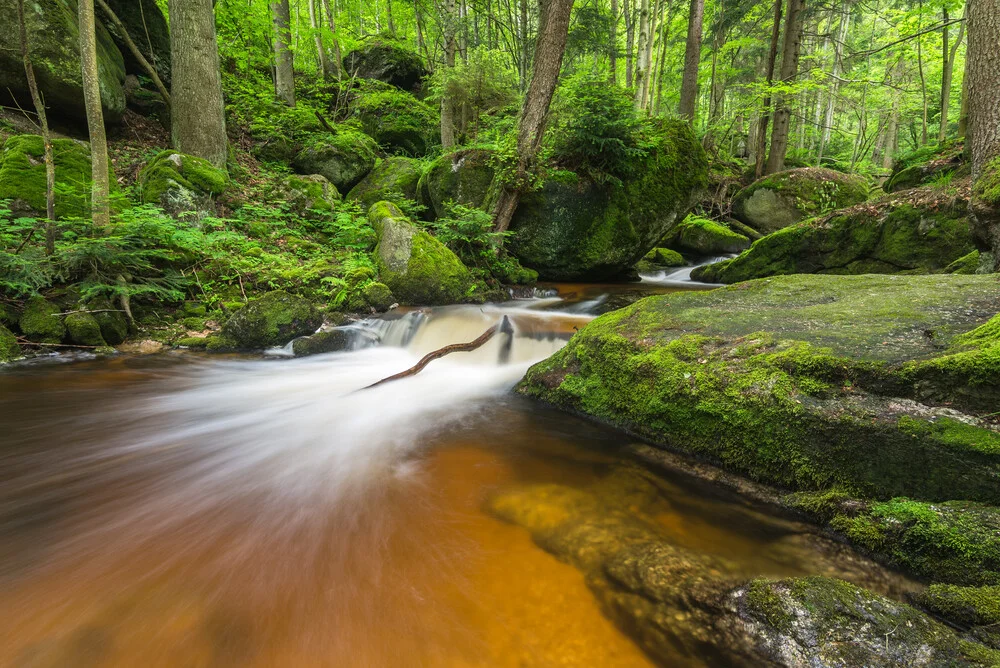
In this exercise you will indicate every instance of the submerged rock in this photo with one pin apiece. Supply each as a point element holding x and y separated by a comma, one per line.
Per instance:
<point>785,198</point>
<point>387,61</point>
<point>343,158</point>
<point>416,267</point>
<point>270,320</point>
<point>899,234</point>
<point>182,184</point>
<point>393,177</point>
<point>705,237</point>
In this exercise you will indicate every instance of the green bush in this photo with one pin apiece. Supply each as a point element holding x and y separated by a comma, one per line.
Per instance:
<point>468,232</point>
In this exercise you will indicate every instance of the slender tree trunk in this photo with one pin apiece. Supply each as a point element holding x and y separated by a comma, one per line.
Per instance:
<point>336,66</point>
<point>838,54</point>
<point>647,75</point>
<point>388,17</point>
<point>947,75</point>
<point>525,51</point>
<point>760,151</point>
<point>197,115</point>
<point>450,47</point>
<point>692,59</point>
<point>789,70</point>
<point>553,29</point>
<point>920,71</point>
<point>662,58</point>
<point>629,41</point>
<point>43,122</point>
<point>284,69</point>
<point>891,136</point>
<point>136,53</point>
<point>100,183</point>
<point>982,78</point>
<point>314,23</point>
<point>613,48</point>
<point>641,64</point>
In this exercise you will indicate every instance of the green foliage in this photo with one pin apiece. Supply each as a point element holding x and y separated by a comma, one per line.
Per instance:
<point>469,233</point>
<point>485,85</point>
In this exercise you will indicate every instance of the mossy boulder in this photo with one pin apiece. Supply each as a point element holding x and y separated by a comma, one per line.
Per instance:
<point>41,321</point>
<point>463,177</point>
<point>388,61</point>
<point>785,198</point>
<point>922,167</point>
<point>343,158</point>
<point>974,608</point>
<point>378,296</point>
<point>83,329</point>
<point>147,26</point>
<point>9,350</point>
<point>393,177</point>
<point>273,319</point>
<point>416,267</point>
<point>332,341</point>
<point>22,176</point>
<point>181,184</point>
<point>573,228</point>
<point>701,236</point>
<point>309,196</point>
<point>865,383</point>
<point>53,39</point>
<point>967,264</point>
<point>664,258</point>
<point>898,234</point>
<point>398,121</point>
<point>112,321</point>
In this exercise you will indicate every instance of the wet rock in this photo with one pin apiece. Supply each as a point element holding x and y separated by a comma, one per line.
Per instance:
<point>182,184</point>
<point>393,177</point>
<point>270,320</point>
<point>705,237</point>
<point>664,257</point>
<point>777,201</point>
<point>145,347</point>
<point>333,341</point>
<point>41,321</point>
<point>83,329</point>
<point>343,158</point>
<point>9,349</point>
<point>111,319</point>
<point>387,61</point>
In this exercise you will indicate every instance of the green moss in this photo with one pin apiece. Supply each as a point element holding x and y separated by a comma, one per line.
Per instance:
<point>463,177</point>
<point>112,321</point>
<point>84,329</point>
<point>177,181</point>
<point>387,60</point>
<point>987,187</point>
<point>393,177</point>
<point>41,322</point>
<point>665,257</point>
<point>309,196</point>
<point>788,197</point>
<point>706,237</point>
<point>271,320</point>
<point>967,264</point>
<point>967,606</point>
<point>398,121</point>
<point>9,350</point>
<point>192,342</point>
<point>762,599</point>
<point>344,158</point>
<point>378,296</point>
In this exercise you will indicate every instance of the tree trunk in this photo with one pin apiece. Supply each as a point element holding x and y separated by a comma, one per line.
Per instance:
<point>197,115</point>
<point>337,66</point>
<point>760,150</point>
<point>553,29</point>
<point>948,75</point>
<point>136,53</point>
<point>613,49</point>
<point>525,51</point>
<point>789,70</point>
<point>43,122</point>
<point>838,52</point>
<point>388,17</point>
<point>891,136</point>
<point>450,48</point>
<point>284,72</point>
<point>314,23</point>
<point>629,42</point>
<point>641,63</point>
<point>100,183</point>
<point>982,79</point>
<point>692,58</point>
<point>920,71</point>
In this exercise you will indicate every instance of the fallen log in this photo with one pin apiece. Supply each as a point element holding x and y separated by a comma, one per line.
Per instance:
<point>504,326</point>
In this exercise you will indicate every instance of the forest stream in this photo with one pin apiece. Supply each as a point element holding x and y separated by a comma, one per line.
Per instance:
<point>192,510</point>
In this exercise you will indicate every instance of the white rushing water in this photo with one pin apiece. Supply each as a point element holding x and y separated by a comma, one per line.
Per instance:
<point>681,277</point>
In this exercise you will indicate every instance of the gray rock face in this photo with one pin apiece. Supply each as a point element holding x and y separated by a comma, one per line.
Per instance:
<point>147,26</point>
<point>386,61</point>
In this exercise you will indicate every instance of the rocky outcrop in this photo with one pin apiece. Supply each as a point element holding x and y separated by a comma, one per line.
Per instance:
<point>700,236</point>
<point>921,168</point>
<point>393,177</point>
<point>53,39</point>
<point>343,158</point>
<point>386,61</point>
<point>181,184</point>
<point>777,201</point>
<point>273,319</point>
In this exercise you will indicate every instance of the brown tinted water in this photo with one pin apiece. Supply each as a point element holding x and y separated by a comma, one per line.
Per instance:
<point>180,510</point>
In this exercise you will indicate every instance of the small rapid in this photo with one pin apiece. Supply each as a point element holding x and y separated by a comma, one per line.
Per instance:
<point>681,277</point>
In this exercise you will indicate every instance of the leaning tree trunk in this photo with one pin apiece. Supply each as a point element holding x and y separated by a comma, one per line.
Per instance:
<point>284,68</point>
<point>982,78</point>
<point>789,70</point>
<point>553,30</point>
<point>692,58</point>
<point>100,183</point>
<point>197,114</point>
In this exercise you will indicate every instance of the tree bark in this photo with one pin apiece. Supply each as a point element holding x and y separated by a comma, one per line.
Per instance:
<point>760,150</point>
<point>647,77</point>
<point>337,66</point>
<point>450,47</point>
<point>553,29</point>
<point>197,115</point>
<point>983,81</point>
<point>284,67</point>
<point>838,52</point>
<point>789,70</point>
<point>641,64</point>
<point>314,23</point>
<point>692,59</point>
<point>629,41</point>
<point>100,191</point>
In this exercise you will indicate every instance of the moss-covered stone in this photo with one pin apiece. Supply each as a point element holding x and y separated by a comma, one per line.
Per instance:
<point>967,264</point>
<point>665,257</point>
<point>41,322</point>
<point>9,350</point>
<point>416,267</point>
<point>83,329</point>
<point>805,382</point>
<point>378,296</point>
<point>192,342</point>
<point>966,606</point>
<point>398,121</point>
<point>112,321</point>
<point>181,183</point>
<point>926,165</point>
<point>463,177</point>
<point>53,39</point>
<point>894,235</point>
<point>573,228</point>
<point>393,177</point>
<point>343,158</point>
<point>335,340</point>
<point>785,198</point>
<point>702,236</point>
<point>22,176</point>
<point>309,196</point>
<point>388,61</point>
<point>270,320</point>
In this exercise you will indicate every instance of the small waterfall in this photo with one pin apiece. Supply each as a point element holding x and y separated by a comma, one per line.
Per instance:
<point>681,277</point>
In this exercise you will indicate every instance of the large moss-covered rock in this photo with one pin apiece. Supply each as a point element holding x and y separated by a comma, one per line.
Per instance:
<point>388,61</point>
<point>270,320</point>
<point>416,267</point>
<point>895,235</point>
<point>22,176</point>
<point>785,198</point>
<point>309,196</point>
<point>40,321</point>
<point>181,183</point>
<point>343,158</point>
<point>147,26</point>
<point>705,237</point>
<point>54,38</point>
<point>332,341</point>
<point>9,350</point>
<point>111,319</point>
<point>398,121</point>
<point>393,177</point>
<point>805,382</point>
<point>973,608</point>
<point>573,228</point>
<point>925,165</point>
<point>463,177</point>
<point>83,329</point>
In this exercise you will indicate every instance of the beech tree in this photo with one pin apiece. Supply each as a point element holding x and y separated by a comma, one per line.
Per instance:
<point>983,82</point>
<point>692,59</point>
<point>100,192</point>
<point>284,67</point>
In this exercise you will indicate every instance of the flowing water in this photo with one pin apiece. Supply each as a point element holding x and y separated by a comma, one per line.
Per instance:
<point>187,510</point>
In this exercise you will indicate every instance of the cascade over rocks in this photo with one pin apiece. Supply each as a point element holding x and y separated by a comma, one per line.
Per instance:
<point>54,38</point>
<point>386,61</point>
<point>395,176</point>
<point>785,198</point>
